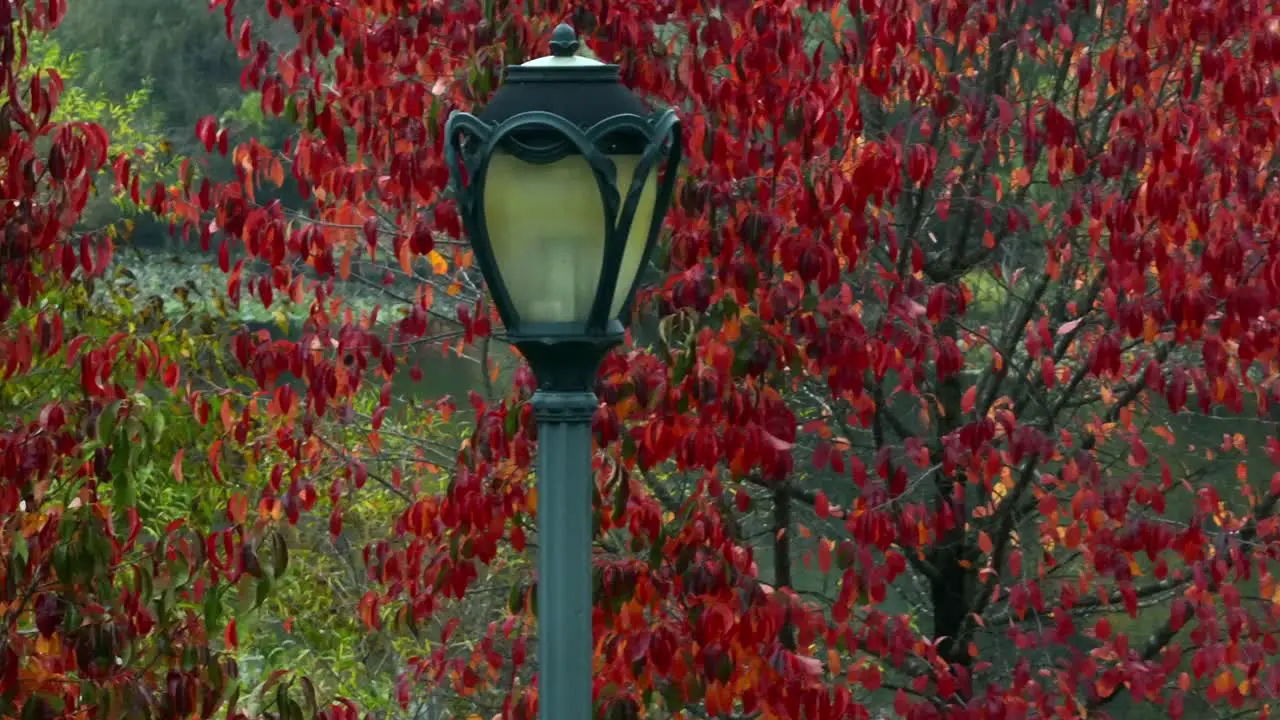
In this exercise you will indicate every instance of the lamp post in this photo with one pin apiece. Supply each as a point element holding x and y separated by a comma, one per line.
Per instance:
<point>562,181</point>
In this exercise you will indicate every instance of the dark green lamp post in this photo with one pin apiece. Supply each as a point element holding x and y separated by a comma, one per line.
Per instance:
<point>562,181</point>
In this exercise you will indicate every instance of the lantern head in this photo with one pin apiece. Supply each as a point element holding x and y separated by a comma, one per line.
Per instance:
<point>562,182</point>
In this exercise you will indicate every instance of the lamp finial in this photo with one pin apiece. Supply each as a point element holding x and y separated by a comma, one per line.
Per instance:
<point>564,41</point>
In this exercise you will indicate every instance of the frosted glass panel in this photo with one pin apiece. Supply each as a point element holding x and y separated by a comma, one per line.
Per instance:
<point>546,227</point>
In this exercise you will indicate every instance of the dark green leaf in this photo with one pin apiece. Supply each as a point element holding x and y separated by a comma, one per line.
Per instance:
<point>279,555</point>
<point>233,701</point>
<point>262,591</point>
<point>212,609</point>
<point>309,697</point>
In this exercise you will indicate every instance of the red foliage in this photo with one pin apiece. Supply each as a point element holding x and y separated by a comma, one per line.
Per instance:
<point>96,612</point>
<point>932,269</point>
<point>939,279</point>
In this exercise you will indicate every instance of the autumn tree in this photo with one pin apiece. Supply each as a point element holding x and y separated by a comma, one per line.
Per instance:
<point>99,571</point>
<point>950,394</point>
<point>129,571</point>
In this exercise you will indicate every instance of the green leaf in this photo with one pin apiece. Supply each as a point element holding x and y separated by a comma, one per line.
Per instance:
<point>309,697</point>
<point>157,424</point>
<point>136,434</point>
<point>516,598</point>
<point>20,549</point>
<point>724,668</point>
<point>36,708</point>
<point>61,560</point>
<point>122,494</point>
<point>244,595</point>
<point>213,609</point>
<point>106,424</point>
<point>263,591</point>
<point>671,696</point>
<point>279,555</point>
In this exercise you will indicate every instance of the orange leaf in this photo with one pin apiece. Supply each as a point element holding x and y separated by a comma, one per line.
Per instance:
<point>344,267</point>
<point>732,329</point>
<point>176,467</point>
<point>237,508</point>
<point>969,399</point>
<point>625,407</point>
<point>227,415</point>
<point>439,265</point>
<point>984,542</point>
<point>405,256</point>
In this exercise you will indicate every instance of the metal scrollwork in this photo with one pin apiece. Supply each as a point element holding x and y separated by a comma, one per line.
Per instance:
<point>471,143</point>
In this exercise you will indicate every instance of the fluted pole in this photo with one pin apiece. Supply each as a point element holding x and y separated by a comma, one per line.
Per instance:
<point>565,647</point>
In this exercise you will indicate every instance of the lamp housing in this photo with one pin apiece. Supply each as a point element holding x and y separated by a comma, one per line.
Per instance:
<point>562,182</point>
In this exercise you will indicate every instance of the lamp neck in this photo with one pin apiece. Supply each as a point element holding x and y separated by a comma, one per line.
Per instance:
<point>565,365</point>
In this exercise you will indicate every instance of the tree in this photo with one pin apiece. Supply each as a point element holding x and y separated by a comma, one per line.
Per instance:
<point>130,125</point>
<point>964,327</point>
<point>126,566</point>
<point>187,66</point>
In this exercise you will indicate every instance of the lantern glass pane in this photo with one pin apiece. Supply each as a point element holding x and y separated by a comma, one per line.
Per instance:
<point>546,228</point>
<point>641,221</point>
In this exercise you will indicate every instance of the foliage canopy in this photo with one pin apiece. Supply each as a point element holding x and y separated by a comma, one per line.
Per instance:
<point>951,394</point>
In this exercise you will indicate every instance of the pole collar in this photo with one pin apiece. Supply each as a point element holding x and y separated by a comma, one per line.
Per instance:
<point>564,407</point>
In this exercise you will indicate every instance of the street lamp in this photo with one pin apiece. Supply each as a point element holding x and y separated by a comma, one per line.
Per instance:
<point>560,189</point>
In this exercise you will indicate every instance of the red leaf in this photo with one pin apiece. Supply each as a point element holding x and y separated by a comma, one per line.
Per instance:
<point>244,42</point>
<point>447,631</point>
<point>206,132</point>
<point>215,458</point>
<point>171,374</point>
<point>73,348</point>
<point>237,508</point>
<point>229,635</point>
<point>1069,326</point>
